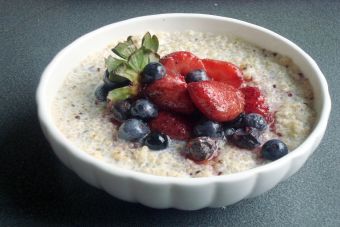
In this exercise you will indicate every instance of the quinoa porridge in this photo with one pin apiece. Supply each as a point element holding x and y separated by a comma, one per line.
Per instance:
<point>287,91</point>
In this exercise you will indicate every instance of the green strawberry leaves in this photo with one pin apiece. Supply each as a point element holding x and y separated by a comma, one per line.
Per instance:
<point>138,60</point>
<point>112,63</point>
<point>125,49</point>
<point>150,42</point>
<point>153,57</point>
<point>129,63</point>
<point>126,71</point>
<point>121,93</point>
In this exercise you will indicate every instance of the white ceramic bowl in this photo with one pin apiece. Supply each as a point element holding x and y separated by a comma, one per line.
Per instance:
<point>181,193</point>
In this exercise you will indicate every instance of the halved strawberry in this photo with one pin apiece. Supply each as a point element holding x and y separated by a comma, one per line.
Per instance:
<point>170,93</point>
<point>173,125</point>
<point>216,100</point>
<point>224,72</point>
<point>181,62</point>
<point>255,103</point>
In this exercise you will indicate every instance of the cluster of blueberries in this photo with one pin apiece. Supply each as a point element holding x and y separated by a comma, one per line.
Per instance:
<point>134,114</point>
<point>243,132</point>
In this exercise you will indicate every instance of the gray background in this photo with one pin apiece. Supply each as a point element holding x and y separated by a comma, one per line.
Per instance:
<point>36,189</point>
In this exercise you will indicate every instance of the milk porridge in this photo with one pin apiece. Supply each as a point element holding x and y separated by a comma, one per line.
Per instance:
<point>288,94</point>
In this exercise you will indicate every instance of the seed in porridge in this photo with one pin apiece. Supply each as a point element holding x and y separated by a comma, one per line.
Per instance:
<point>121,110</point>
<point>156,141</point>
<point>143,109</point>
<point>290,94</point>
<point>246,138</point>
<point>200,149</point>
<point>255,121</point>
<point>153,71</point>
<point>208,128</point>
<point>224,71</point>
<point>133,130</point>
<point>274,149</point>
<point>101,92</point>
<point>196,75</point>
<point>181,62</point>
<point>243,66</point>
<point>274,85</point>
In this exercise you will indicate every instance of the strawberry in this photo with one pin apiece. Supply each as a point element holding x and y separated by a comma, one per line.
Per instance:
<point>181,62</point>
<point>217,100</point>
<point>173,125</point>
<point>170,93</point>
<point>223,71</point>
<point>255,103</point>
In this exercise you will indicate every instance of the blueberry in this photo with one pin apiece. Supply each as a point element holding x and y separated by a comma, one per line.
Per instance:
<point>120,81</point>
<point>133,130</point>
<point>274,149</point>
<point>246,138</point>
<point>156,141</point>
<point>121,110</point>
<point>153,71</point>
<point>238,122</point>
<point>208,128</point>
<point>101,92</point>
<point>196,75</point>
<point>255,121</point>
<point>143,109</point>
<point>200,148</point>
<point>229,132</point>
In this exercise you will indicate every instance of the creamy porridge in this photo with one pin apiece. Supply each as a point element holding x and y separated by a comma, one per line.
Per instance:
<point>287,92</point>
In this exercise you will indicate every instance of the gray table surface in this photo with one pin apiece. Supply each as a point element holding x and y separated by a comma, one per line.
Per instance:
<point>36,189</point>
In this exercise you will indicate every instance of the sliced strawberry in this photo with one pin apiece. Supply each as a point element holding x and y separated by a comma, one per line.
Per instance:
<point>181,62</point>
<point>255,103</point>
<point>217,100</point>
<point>173,125</point>
<point>170,93</point>
<point>224,71</point>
